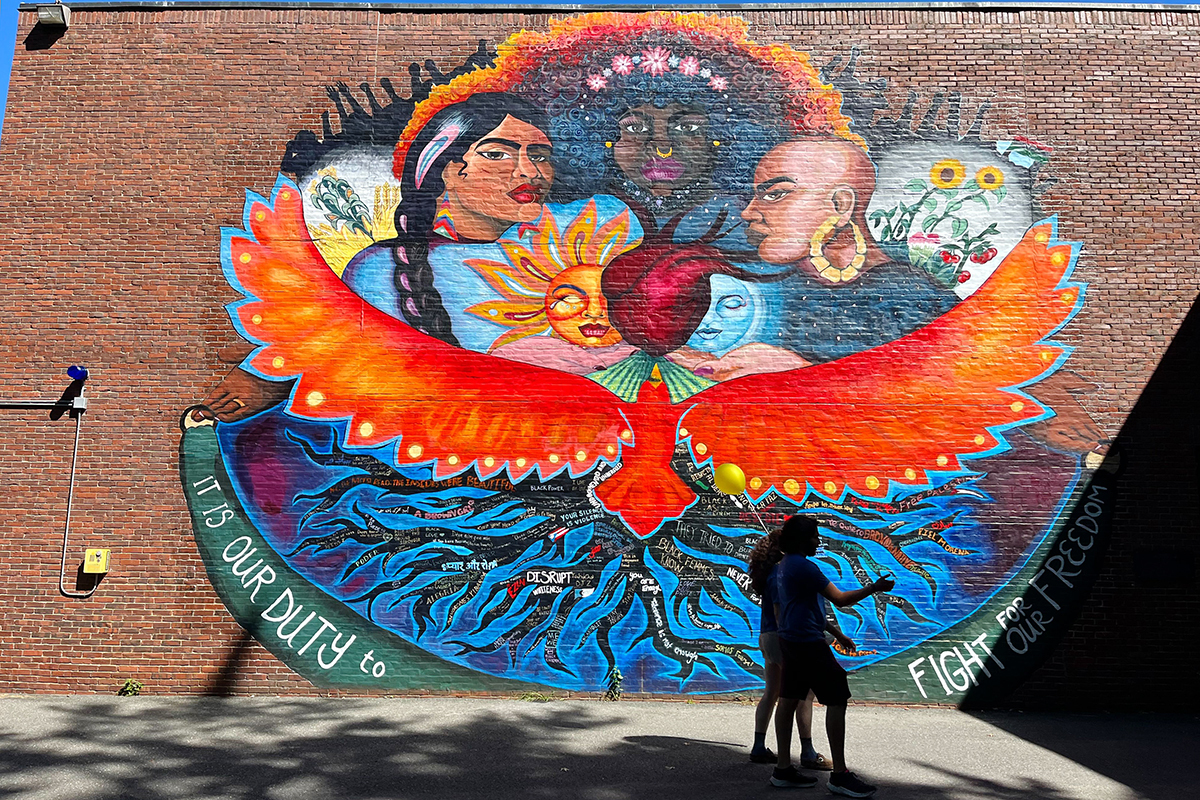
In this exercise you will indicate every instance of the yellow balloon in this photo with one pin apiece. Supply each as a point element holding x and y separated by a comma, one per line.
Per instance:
<point>730,479</point>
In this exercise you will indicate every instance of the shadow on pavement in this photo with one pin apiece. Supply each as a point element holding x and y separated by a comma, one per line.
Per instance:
<point>295,749</point>
<point>965,786</point>
<point>1153,754</point>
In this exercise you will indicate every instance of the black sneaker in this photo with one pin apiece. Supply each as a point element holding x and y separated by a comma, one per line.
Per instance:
<point>791,779</point>
<point>849,784</point>
<point>764,756</point>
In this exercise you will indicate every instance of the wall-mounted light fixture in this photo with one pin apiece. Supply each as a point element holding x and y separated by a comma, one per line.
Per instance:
<point>56,16</point>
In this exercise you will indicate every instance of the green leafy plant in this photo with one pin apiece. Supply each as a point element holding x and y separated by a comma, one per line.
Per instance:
<point>895,223</point>
<point>940,200</point>
<point>536,697</point>
<point>341,206</point>
<point>613,692</point>
<point>131,688</point>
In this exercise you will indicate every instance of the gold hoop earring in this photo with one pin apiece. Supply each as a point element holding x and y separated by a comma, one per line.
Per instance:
<point>716,143</point>
<point>821,236</point>
<point>608,144</point>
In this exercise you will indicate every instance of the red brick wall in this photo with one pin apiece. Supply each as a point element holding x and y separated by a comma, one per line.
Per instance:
<point>128,143</point>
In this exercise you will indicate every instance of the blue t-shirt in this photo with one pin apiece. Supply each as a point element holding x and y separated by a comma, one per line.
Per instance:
<point>767,625</point>
<point>798,583</point>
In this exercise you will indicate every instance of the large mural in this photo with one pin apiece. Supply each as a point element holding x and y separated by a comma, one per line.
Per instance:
<point>501,334</point>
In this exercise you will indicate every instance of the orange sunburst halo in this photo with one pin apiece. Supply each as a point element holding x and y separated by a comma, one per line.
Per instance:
<point>541,252</point>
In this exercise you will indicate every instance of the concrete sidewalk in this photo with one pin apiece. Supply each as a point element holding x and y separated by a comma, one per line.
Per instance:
<point>79,748</point>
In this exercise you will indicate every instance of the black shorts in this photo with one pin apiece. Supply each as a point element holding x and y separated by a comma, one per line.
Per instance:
<point>811,665</point>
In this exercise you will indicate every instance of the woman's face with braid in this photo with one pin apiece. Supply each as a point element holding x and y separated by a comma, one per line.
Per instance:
<point>502,179</point>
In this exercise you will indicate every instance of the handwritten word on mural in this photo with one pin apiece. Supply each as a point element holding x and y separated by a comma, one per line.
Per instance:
<point>1027,618</point>
<point>283,610</point>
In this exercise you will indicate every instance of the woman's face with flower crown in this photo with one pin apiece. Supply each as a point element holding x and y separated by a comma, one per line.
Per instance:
<point>664,149</point>
<point>578,310</point>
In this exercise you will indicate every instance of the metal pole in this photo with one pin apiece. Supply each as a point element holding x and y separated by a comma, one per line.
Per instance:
<point>67,527</point>
<point>77,405</point>
<point>34,404</point>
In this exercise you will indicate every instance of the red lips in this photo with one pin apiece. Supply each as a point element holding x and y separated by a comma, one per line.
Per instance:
<point>593,331</point>
<point>526,193</point>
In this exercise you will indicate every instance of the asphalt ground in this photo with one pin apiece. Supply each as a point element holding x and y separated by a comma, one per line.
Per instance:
<point>85,747</point>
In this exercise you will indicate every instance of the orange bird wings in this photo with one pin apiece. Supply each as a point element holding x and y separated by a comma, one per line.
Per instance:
<point>354,362</point>
<point>906,408</point>
<point>887,415</point>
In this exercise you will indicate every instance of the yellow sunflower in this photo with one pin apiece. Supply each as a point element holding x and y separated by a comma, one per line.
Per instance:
<point>989,178</point>
<point>947,173</point>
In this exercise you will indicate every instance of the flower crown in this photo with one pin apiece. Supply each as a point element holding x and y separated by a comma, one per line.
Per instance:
<point>656,61</point>
<point>812,106</point>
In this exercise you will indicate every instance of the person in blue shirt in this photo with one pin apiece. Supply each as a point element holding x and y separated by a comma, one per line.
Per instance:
<point>763,560</point>
<point>808,661</point>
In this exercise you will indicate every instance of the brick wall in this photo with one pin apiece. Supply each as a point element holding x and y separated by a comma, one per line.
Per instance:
<point>130,140</point>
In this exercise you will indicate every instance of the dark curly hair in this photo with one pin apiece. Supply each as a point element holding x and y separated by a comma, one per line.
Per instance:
<point>763,558</point>
<point>795,531</point>
<point>746,116</point>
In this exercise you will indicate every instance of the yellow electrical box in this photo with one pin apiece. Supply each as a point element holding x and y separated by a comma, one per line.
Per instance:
<point>96,561</point>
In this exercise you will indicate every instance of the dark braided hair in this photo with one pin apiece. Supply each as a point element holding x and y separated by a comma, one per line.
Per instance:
<point>418,299</point>
<point>763,558</point>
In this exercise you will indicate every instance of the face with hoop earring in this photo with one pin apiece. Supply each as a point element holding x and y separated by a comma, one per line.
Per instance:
<point>663,150</point>
<point>809,199</point>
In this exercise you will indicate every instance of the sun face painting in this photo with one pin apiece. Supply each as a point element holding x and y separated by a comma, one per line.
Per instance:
<point>493,364</point>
